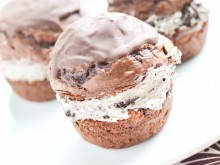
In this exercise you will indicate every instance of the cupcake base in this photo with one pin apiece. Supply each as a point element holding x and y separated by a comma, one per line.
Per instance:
<point>38,91</point>
<point>139,127</point>
<point>192,42</point>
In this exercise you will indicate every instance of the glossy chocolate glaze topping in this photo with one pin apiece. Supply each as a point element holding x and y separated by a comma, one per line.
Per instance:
<point>100,39</point>
<point>39,14</point>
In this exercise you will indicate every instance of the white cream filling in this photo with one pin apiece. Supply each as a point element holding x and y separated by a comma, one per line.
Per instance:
<point>166,25</point>
<point>23,70</point>
<point>169,24</point>
<point>175,54</point>
<point>150,93</point>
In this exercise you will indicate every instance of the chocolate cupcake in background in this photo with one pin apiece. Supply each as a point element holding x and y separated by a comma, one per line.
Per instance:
<point>184,22</point>
<point>114,79</point>
<point>28,32</point>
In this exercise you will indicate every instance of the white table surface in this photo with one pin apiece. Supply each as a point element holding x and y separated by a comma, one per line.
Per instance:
<point>33,133</point>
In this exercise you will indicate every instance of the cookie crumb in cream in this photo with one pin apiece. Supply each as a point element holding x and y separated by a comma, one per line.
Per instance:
<point>189,16</point>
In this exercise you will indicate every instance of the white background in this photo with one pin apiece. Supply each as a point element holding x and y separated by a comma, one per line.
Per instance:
<point>33,133</point>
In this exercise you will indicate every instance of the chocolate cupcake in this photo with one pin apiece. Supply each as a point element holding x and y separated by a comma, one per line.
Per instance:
<point>184,22</point>
<point>113,75</point>
<point>28,32</point>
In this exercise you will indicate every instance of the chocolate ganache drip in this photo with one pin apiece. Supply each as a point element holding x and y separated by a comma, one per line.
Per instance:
<point>103,38</point>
